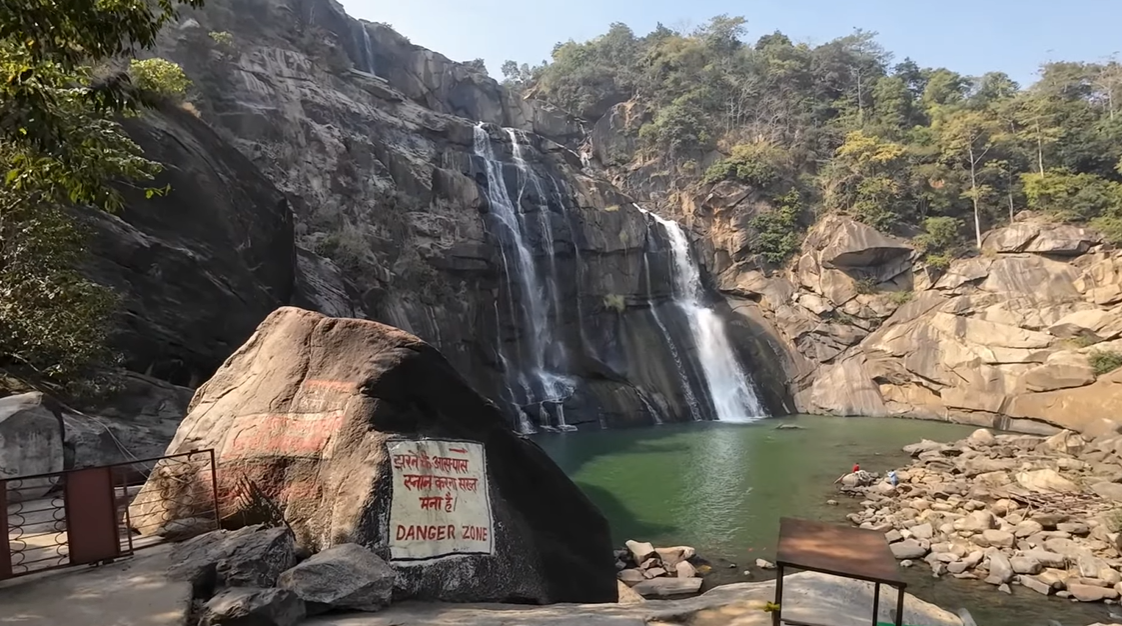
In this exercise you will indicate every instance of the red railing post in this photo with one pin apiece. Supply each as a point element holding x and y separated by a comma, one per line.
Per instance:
<point>91,516</point>
<point>6,553</point>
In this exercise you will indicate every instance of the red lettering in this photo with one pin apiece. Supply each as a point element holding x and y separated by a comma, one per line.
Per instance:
<point>451,531</point>
<point>475,533</point>
<point>400,532</point>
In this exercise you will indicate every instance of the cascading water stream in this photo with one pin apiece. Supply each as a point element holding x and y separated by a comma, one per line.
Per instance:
<point>729,387</point>
<point>679,365</point>
<point>533,308</point>
<point>556,358</point>
<point>368,50</point>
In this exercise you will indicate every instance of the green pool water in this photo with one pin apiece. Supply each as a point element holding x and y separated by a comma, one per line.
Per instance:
<point>722,489</point>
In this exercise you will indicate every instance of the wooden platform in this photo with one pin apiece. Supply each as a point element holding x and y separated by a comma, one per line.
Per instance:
<point>839,551</point>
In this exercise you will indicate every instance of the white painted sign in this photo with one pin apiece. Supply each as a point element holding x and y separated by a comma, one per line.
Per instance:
<point>440,504</point>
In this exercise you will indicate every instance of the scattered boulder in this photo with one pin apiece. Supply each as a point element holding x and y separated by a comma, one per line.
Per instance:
<point>685,569</point>
<point>1110,491</point>
<point>1036,585</point>
<point>1001,570</point>
<point>1027,528</point>
<point>666,587</point>
<point>922,531</point>
<point>247,606</point>
<point>627,595</point>
<point>31,436</point>
<point>982,437</point>
<point>1047,559</point>
<point>978,521</point>
<point>1064,442</point>
<point>325,399</point>
<point>254,556</point>
<point>632,576</point>
<point>346,576</point>
<point>1026,565</point>
<point>1091,593</point>
<point>1046,480</point>
<point>858,479</point>
<point>640,551</point>
<point>908,549</point>
<point>998,538</point>
<point>764,564</point>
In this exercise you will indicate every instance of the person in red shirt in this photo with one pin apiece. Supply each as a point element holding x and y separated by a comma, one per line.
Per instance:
<point>856,467</point>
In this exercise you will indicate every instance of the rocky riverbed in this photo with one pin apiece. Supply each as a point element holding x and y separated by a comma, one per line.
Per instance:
<point>1011,510</point>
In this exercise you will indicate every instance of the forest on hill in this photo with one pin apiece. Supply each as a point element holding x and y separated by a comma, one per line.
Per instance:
<point>921,152</point>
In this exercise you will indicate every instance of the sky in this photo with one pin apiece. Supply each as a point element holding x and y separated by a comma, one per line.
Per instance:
<point>970,37</point>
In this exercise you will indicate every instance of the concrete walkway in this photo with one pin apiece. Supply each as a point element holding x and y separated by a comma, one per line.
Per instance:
<point>808,597</point>
<point>130,592</point>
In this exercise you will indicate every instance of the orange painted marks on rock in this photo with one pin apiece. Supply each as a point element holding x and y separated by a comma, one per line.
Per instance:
<point>282,434</point>
<point>333,385</point>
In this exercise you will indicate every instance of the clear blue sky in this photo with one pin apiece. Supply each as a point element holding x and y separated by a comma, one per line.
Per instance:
<point>968,36</point>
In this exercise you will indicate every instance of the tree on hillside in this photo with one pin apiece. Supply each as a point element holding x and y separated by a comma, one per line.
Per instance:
<point>62,146</point>
<point>966,138</point>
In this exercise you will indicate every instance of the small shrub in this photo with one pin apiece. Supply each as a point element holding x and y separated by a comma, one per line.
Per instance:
<point>616,302</point>
<point>1081,341</point>
<point>1110,227</point>
<point>938,261</point>
<point>221,38</point>
<point>751,164</point>
<point>1105,361</point>
<point>866,286</point>
<point>901,297</point>
<point>159,76</point>
<point>780,231</point>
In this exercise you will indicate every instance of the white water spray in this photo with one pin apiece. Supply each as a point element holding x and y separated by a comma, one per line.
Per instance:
<point>679,365</point>
<point>729,387</point>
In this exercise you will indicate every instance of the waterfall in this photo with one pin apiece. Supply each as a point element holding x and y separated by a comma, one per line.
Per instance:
<point>367,49</point>
<point>545,382</point>
<point>556,350</point>
<point>729,387</point>
<point>679,365</point>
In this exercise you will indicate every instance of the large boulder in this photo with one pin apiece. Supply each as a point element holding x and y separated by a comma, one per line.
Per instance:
<point>847,243</point>
<point>362,433</point>
<point>246,606</point>
<point>31,436</point>
<point>253,556</point>
<point>346,576</point>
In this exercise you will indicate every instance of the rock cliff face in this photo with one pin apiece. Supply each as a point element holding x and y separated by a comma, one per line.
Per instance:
<point>1004,339</point>
<point>1001,339</point>
<point>337,167</point>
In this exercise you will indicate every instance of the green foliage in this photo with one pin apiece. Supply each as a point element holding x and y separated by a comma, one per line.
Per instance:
<point>889,146</point>
<point>938,261</point>
<point>780,231</point>
<point>865,286</point>
<point>222,38</point>
<point>940,236</point>
<point>901,297</point>
<point>1072,196</point>
<point>53,322</point>
<point>62,145</point>
<point>615,302</point>
<point>479,65</point>
<point>1105,361</point>
<point>867,179</point>
<point>159,76</point>
<point>1110,226</point>
<point>757,165</point>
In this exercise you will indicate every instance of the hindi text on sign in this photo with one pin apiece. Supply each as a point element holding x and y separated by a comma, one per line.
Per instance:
<point>440,504</point>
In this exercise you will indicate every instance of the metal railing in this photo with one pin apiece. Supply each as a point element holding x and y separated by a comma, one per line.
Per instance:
<point>86,516</point>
